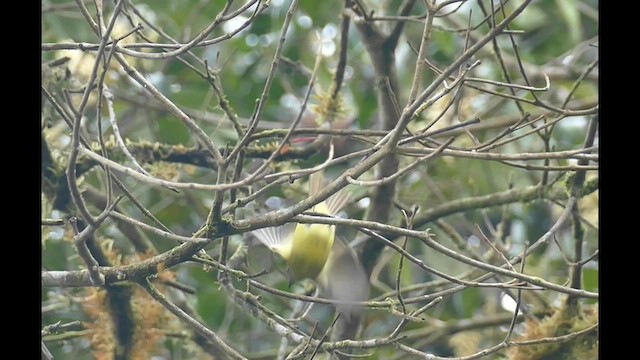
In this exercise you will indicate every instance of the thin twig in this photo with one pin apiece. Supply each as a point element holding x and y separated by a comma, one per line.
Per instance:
<point>425,237</point>
<point>255,118</point>
<point>53,222</point>
<point>493,247</point>
<point>156,231</point>
<point>81,238</point>
<point>193,323</point>
<point>402,171</point>
<point>324,337</point>
<point>409,222</point>
<point>518,300</point>
<point>76,196</point>
<point>108,95</point>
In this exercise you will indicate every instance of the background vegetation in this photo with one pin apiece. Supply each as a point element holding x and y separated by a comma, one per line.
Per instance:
<point>467,132</point>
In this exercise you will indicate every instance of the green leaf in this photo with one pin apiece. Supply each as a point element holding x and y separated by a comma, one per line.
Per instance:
<point>590,278</point>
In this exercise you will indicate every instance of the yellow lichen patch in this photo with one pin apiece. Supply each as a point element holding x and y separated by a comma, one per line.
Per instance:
<point>151,321</point>
<point>167,275</point>
<point>465,343</point>
<point>101,325</point>
<point>180,149</point>
<point>160,267</point>
<point>327,108</point>
<point>558,324</point>
<point>267,147</point>
<point>164,170</point>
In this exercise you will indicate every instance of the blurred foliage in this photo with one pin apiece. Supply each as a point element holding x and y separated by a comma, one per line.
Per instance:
<point>556,33</point>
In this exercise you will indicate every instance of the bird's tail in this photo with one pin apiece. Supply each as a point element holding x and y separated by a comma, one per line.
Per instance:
<point>343,279</point>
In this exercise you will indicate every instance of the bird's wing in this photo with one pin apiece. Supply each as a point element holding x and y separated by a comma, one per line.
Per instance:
<point>338,201</point>
<point>277,238</point>
<point>316,183</point>
<point>335,202</point>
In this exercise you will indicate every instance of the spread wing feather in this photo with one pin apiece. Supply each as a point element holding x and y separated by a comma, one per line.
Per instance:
<point>277,238</point>
<point>335,202</point>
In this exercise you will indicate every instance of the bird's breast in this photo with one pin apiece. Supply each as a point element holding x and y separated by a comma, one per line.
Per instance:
<point>310,250</point>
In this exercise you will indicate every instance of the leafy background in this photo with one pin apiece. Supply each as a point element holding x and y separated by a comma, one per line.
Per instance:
<point>557,36</point>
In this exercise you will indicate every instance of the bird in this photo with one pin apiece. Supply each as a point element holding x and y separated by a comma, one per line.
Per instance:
<point>314,251</point>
